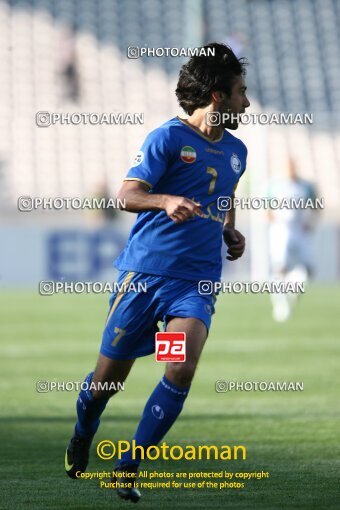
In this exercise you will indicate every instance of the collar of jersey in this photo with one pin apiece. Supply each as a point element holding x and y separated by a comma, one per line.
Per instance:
<point>183,121</point>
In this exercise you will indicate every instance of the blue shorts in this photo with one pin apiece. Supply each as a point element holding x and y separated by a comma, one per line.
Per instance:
<point>133,316</point>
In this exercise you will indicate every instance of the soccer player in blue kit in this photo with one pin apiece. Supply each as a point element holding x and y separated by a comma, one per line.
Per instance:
<point>182,169</point>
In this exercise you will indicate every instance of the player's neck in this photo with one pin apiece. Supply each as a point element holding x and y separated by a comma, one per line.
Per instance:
<point>198,121</point>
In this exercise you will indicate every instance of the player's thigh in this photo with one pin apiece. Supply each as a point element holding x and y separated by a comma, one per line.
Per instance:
<point>279,249</point>
<point>196,332</point>
<point>305,252</point>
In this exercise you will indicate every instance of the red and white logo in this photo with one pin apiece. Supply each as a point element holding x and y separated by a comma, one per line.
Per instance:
<point>188,154</point>
<point>170,346</point>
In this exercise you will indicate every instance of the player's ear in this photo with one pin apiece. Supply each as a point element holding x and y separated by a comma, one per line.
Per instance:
<point>217,96</point>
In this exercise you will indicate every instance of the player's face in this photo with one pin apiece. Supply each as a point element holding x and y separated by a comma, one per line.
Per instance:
<point>236,103</point>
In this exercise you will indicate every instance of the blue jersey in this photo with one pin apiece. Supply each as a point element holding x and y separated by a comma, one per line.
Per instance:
<point>176,159</point>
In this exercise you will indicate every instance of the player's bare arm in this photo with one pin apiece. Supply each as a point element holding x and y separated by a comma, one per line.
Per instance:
<point>136,196</point>
<point>233,238</point>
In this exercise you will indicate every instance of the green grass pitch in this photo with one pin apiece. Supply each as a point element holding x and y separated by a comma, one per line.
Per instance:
<point>294,436</point>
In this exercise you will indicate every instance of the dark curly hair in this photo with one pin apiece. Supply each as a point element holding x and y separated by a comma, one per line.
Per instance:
<point>203,75</point>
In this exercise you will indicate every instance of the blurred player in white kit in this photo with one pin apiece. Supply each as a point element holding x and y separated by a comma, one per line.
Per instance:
<point>290,237</point>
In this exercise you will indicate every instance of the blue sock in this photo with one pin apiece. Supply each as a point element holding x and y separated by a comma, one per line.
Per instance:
<point>89,411</point>
<point>161,411</point>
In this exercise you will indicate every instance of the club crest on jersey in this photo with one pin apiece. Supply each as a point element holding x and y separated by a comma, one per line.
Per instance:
<point>138,158</point>
<point>235,163</point>
<point>188,154</point>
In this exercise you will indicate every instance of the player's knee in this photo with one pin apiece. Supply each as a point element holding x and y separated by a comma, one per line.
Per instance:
<point>106,388</point>
<point>109,377</point>
<point>103,394</point>
<point>181,374</point>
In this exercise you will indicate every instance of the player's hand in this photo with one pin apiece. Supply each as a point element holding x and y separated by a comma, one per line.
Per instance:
<point>235,241</point>
<point>181,209</point>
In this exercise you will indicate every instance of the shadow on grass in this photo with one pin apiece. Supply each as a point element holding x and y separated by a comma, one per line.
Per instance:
<point>134,417</point>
